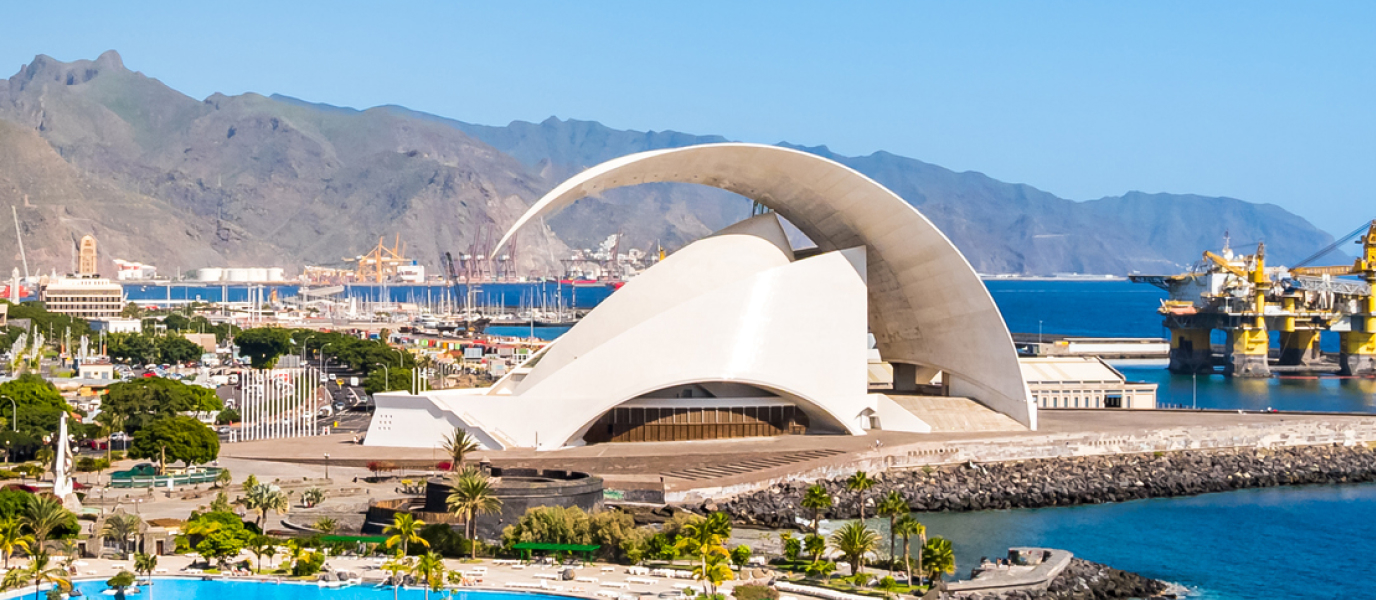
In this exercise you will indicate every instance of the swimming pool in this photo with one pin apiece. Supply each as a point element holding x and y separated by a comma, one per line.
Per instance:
<point>195,589</point>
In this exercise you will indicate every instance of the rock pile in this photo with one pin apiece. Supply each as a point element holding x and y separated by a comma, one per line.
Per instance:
<point>1067,481</point>
<point>1085,580</point>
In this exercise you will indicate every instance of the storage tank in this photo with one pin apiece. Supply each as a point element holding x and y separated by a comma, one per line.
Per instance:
<point>257,274</point>
<point>210,274</point>
<point>277,274</point>
<point>236,275</point>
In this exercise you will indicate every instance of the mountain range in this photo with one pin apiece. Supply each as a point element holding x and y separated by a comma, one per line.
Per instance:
<point>90,146</point>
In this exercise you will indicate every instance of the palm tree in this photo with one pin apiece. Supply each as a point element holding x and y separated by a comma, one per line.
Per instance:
<point>397,566</point>
<point>705,539</point>
<point>121,527</point>
<point>855,540</point>
<point>405,528</point>
<point>714,570</point>
<point>938,558</point>
<point>260,546</point>
<point>430,568</point>
<point>908,527</point>
<point>472,495</point>
<point>893,506</point>
<point>312,497</point>
<point>458,445</point>
<point>40,572</point>
<point>14,578</point>
<point>12,537</point>
<point>266,498</point>
<point>817,499</point>
<point>224,478</point>
<point>859,483</point>
<point>145,564</point>
<point>43,515</point>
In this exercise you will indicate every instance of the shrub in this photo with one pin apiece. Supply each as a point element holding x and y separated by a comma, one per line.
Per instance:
<point>308,565</point>
<point>755,592</point>
<point>8,474</point>
<point>87,464</point>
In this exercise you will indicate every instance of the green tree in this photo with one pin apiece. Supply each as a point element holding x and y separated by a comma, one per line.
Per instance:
<point>40,405</point>
<point>265,498</point>
<point>889,586</point>
<point>740,555</point>
<point>430,569</point>
<point>705,538</point>
<point>458,445</point>
<point>178,439</point>
<point>177,349</point>
<point>854,540</point>
<point>815,546</point>
<point>405,528</point>
<point>12,537</point>
<point>41,570</point>
<point>227,416</point>
<point>399,565</point>
<point>860,483</point>
<point>793,547</point>
<point>312,497</point>
<point>139,402</point>
<point>133,348</point>
<point>121,580</point>
<point>387,380</point>
<point>908,527</point>
<point>44,516</point>
<point>817,499</point>
<point>893,505</point>
<point>821,568</point>
<point>121,528</point>
<point>264,345</point>
<point>176,322</point>
<point>260,546</point>
<point>550,525</point>
<point>938,558</point>
<point>472,495</point>
<point>145,564</point>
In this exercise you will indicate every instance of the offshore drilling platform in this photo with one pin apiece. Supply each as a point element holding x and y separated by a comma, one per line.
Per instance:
<point>1251,303</point>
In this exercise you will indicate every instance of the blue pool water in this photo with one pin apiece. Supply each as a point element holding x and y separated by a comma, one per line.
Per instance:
<point>192,589</point>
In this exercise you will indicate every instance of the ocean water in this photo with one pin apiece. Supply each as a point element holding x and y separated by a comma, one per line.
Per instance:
<point>1298,542</point>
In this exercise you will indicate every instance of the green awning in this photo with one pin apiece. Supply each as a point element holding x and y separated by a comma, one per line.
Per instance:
<point>371,539</point>
<point>556,547</point>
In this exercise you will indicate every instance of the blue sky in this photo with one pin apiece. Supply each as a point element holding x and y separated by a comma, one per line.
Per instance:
<point>1260,101</point>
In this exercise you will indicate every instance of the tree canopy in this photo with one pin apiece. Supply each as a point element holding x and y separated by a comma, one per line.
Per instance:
<point>264,345</point>
<point>141,401</point>
<point>184,438</point>
<point>40,405</point>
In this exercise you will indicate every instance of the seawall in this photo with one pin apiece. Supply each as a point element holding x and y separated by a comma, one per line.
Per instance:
<point>1069,481</point>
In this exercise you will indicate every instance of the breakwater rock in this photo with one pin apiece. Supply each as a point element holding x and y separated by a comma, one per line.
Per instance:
<point>1065,482</point>
<point>1085,580</point>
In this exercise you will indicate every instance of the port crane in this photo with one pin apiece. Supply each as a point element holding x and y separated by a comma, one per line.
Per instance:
<point>1250,302</point>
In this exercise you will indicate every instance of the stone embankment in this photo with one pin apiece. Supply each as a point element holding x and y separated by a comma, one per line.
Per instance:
<point>1066,481</point>
<point>1085,580</point>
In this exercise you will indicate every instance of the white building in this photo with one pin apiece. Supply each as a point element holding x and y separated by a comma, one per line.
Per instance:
<point>1083,382</point>
<point>737,335</point>
<point>84,297</point>
<point>133,271</point>
<point>117,325</point>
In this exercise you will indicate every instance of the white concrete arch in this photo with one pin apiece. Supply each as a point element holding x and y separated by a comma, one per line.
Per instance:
<point>927,306</point>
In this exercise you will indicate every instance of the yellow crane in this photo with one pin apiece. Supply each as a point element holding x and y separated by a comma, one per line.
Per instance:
<point>1364,265</point>
<point>381,262</point>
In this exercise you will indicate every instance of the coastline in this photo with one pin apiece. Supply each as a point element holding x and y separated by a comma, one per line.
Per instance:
<point>1065,481</point>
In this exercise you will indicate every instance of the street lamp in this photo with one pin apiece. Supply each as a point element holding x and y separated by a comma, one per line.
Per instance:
<point>322,358</point>
<point>327,465</point>
<point>14,413</point>
<point>387,374</point>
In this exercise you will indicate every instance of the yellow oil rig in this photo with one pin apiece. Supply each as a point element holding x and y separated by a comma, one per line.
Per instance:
<point>1241,296</point>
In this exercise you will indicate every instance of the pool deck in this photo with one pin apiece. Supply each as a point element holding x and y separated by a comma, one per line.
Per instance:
<point>611,580</point>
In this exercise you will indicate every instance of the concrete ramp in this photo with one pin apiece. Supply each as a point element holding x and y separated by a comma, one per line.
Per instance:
<point>952,414</point>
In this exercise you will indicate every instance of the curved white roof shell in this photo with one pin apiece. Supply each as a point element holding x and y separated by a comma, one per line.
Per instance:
<point>927,306</point>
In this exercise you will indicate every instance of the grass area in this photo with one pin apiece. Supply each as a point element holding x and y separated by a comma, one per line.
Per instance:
<point>849,588</point>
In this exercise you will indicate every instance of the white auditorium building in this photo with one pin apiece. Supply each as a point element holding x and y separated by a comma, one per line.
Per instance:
<point>738,335</point>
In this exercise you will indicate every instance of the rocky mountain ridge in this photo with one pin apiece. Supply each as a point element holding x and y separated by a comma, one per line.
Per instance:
<point>90,146</point>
